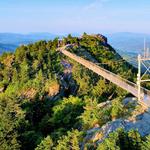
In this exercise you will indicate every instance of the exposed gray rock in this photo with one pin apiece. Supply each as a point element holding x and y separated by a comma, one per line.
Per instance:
<point>141,122</point>
<point>142,125</point>
<point>131,100</point>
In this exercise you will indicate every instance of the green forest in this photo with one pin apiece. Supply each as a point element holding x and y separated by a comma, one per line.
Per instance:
<point>50,102</point>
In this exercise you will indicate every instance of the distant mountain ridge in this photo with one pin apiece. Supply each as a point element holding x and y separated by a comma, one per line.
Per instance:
<point>12,38</point>
<point>7,47</point>
<point>129,45</point>
<point>10,41</point>
<point>128,42</point>
<point>122,41</point>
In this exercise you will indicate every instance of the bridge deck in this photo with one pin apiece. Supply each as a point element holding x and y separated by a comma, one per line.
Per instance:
<point>116,79</point>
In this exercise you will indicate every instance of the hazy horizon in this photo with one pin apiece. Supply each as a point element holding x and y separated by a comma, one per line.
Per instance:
<point>65,34</point>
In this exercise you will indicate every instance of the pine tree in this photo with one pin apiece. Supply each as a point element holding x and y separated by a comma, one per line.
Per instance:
<point>45,144</point>
<point>70,142</point>
<point>146,144</point>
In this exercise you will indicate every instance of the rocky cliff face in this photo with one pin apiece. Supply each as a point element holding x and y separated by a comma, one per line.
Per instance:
<point>139,120</point>
<point>102,37</point>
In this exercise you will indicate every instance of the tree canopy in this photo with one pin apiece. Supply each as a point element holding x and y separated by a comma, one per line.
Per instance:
<point>48,101</point>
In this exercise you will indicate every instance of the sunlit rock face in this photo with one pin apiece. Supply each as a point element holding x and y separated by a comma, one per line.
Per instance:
<point>140,120</point>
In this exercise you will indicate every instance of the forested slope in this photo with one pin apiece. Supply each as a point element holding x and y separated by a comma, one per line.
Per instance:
<point>48,101</point>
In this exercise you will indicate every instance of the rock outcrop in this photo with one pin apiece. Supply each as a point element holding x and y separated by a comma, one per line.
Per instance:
<point>140,120</point>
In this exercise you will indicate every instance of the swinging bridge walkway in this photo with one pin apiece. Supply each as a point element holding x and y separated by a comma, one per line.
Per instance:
<point>114,78</point>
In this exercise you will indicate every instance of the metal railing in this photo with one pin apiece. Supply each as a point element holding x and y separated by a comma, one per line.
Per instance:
<point>114,78</point>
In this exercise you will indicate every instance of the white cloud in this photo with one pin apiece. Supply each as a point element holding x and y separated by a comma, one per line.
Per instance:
<point>95,4</point>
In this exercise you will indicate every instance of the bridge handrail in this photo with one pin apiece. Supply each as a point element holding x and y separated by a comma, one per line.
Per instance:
<point>126,81</point>
<point>122,79</point>
<point>144,90</point>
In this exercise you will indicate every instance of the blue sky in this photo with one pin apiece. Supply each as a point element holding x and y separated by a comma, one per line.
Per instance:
<point>75,16</point>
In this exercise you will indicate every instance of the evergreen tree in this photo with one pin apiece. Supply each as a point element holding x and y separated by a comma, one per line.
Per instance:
<point>146,144</point>
<point>24,73</point>
<point>10,114</point>
<point>70,142</point>
<point>45,144</point>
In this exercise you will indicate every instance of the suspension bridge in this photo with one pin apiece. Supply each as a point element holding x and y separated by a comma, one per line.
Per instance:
<point>114,78</point>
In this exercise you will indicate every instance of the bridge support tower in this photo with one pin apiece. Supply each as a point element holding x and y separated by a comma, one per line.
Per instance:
<point>143,70</point>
